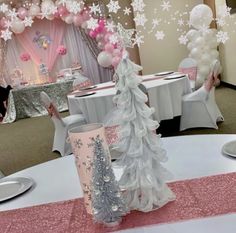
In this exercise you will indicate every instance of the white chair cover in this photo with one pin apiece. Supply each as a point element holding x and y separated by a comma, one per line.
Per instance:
<point>62,125</point>
<point>189,66</point>
<point>199,108</point>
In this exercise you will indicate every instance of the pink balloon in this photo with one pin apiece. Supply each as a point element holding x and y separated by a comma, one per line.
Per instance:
<point>101,23</point>
<point>92,34</point>
<point>86,15</point>
<point>22,13</point>
<point>62,10</point>
<point>109,48</point>
<point>106,37</point>
<point>100,45</point>
<point>3,23</point>
<point>78,20</point>
<point>116,53</point>
<point>99,37</point>
<point>57,15</point>
<point>115,61</point>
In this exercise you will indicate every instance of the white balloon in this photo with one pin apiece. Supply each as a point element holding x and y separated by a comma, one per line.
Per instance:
<point>69,19</point>
<point>192,34</point>
<point>190,46</point>
<point>199,41</point>
<point>104,59</point>
<point>201,16</point>
<point>18,26</point>
<point>206,59</point>
<point>203,70</point>
<point>214,54</point>
<point>195,53</point>
<point>34,10</point>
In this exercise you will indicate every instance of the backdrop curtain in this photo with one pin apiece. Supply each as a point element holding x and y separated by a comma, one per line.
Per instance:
<point>77,52</point>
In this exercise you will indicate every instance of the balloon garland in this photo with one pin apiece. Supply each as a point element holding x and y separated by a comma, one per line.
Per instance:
<point>71,12</point>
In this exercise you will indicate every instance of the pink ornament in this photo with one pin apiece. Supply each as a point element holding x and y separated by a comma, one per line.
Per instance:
<point>62,10</point>
<point>92,34</point>
<point>3,22</point>
<point>61,50</point>
<point>22,13</point>
<point>78,20</point>
<point>25,57</point>
<point>115,61</point>
<point>109,48</point>
<point>116,53</point>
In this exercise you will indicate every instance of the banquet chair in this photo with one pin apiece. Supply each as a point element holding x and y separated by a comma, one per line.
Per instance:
<point>61,125</point>
<point>188,66</point>
<point>199,108</point>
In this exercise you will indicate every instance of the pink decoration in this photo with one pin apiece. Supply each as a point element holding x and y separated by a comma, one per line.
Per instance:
<point>25,57</point>
<point>61,50</point>
<point>107,36</point>
<point>56,30</point>
<point>78,20</point>
<point>86,15</point>
<point>115,61</point>
<point>62,10</point>
<point>109,48</point>
<point>22,13</point>
<point>92,34</point>
<point>196,198</point>
<point>190,71</point>
<point>116,53</point>
<point>57,15</point>
<point>99,37</point>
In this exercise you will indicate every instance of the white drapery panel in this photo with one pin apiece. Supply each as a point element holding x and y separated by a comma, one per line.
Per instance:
<point>77,51</point>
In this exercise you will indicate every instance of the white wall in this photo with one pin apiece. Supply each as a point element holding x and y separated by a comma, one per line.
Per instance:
<point>160,55</point>
<point>228,50</point>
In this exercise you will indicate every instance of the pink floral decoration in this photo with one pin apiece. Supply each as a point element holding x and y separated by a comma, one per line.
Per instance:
<point>61,50</point>
<point>25,57</point>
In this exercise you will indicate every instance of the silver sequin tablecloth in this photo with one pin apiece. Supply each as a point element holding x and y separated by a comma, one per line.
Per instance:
<point>25,102</point>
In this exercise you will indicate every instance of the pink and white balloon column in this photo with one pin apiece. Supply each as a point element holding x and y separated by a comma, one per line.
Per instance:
<point>202,41</point>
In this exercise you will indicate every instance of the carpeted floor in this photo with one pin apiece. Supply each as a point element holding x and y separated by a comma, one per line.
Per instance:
<point>28,142</point>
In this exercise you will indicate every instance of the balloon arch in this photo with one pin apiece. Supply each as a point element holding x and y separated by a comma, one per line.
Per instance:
<point>71,12</point>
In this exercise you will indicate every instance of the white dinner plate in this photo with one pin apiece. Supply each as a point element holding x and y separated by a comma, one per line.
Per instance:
<point>88,88</point>
<point>84,94</point>
<point>164,73</point>
<point>175,76</point>
<point>12,187</point>
<point>230,149</point>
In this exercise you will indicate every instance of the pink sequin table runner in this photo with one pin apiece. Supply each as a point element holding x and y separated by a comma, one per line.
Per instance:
<point>196,198</point>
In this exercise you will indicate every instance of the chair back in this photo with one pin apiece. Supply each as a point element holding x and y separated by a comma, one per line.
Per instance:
<point>48,104</point>
<point>81,82</point>
<point>189,66</point>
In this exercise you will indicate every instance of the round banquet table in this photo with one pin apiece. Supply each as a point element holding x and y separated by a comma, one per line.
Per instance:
<point>189,157</point>
<point>164,95</point>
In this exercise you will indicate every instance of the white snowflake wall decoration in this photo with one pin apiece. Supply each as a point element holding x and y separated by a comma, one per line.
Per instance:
<point>183,39</point>
<point>28,21</point>
<point>127,11</point>
<point>140,19</point>
<point>126,35</point>
<point>3,8</point>
<point>92,23</point>
<point>138,40</point>
<point>138,5</point>
<point>222,37</point>
<point>160,35</point>
<point>95,9</point>
<point>6,34</point>
<point>166,6</point>
<point>113,6</point>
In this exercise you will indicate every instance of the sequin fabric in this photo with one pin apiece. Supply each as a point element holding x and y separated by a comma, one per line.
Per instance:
<point>25,102</point>
<point>195,198</point>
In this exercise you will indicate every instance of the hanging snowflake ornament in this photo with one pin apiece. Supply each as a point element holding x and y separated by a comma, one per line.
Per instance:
<point>3,8</point>
<point>166,6</point>
<point>92,23</point>
<point>222,37</point>
<point>110,26</point>
<point>138,40</point>
<point>12,14</point>
<point>183,39</point>
<point>220,22</point>
<point>140,19</point>
<point>95,9</point>
<point>113,6</point>
<point>160,35</point>
<point>28,21</point>
<point>126,35</point>
<point>181,22</point>
<point>138,5</point>
<point>113,39</point>
<point>223,11</point>
<point>74,6</point>
<point>8,24</point>
<point>6,34</point>
<point>127,11</point>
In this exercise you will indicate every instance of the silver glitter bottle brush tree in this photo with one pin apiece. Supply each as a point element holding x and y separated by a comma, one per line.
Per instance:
<point>108,206</point>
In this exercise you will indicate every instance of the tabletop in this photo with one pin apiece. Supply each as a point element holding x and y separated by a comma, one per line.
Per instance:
<point>188,157</point>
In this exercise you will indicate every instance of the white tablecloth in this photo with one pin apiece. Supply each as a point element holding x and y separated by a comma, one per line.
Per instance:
<point>189,157</point>
<point>164,95</point>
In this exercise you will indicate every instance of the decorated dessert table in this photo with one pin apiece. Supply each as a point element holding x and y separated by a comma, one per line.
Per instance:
<point>164,94</point>
<point>25,102</point>
<point>204,181</point>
